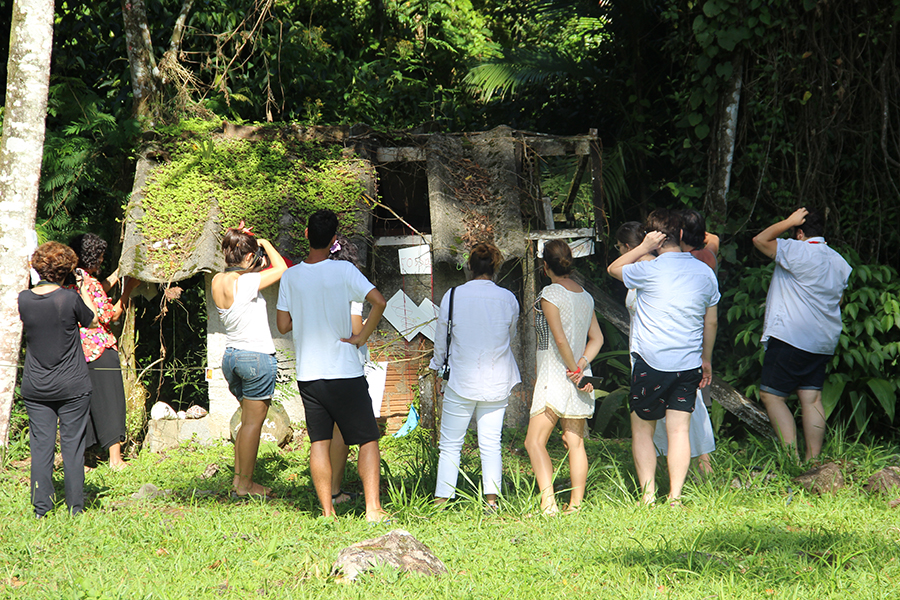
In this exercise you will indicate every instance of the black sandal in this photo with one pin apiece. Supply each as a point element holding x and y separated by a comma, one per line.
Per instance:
<point>351,496</point>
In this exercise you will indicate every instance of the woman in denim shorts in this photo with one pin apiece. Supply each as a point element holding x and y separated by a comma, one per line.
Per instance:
<point>249,361</point>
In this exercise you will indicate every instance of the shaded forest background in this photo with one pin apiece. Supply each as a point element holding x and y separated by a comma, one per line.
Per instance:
<point>812,88</point>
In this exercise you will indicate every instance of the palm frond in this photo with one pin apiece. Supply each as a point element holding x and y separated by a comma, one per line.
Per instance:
<point>504,75</point>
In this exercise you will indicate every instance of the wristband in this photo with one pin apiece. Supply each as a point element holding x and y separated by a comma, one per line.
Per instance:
<point>585,359</point>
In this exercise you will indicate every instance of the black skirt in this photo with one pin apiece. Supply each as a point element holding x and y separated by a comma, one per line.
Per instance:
<point>107,401</point>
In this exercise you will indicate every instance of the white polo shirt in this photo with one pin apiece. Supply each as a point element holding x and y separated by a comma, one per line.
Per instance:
<point>803,307</point>
<point>673,292</point>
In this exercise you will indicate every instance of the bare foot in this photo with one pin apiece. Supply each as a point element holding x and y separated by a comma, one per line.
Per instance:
<point>378,516</point>
<point>118,465</point>
<point>551,510</point>
<point>255,489</point>
<point>571,510</point>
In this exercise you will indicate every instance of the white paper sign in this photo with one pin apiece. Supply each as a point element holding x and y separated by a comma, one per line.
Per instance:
<point>429,311</point>
<point>580,248</point>
<point>415,260</point>
<point>404,315</point>
<point>376,377</point>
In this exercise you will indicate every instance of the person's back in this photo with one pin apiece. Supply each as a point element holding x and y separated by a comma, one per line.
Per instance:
<point>482,364</point>
<point>803,303</point>
<point>318,297</point>
<point>673,293</point>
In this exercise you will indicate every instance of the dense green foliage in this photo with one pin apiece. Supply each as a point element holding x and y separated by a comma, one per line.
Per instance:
<point>818,121</point>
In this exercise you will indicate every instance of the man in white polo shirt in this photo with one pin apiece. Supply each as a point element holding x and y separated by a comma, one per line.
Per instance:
<point>673,332</point>
<point>314,303</point>
<point>803,324</point>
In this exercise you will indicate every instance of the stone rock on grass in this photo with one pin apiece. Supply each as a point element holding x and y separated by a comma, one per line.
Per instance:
<point>883,481</point>
<point>276,428</point>
<point>397,548</point>
<point>825,478</point>
<point>148,491</point>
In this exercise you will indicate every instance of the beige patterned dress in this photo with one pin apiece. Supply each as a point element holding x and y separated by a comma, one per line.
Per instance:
<point>553,389</point>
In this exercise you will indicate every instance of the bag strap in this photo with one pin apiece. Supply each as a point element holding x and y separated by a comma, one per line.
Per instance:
<point>449,325</point>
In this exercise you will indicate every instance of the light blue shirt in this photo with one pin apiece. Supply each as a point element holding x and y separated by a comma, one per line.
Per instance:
<point>803,307</point>
<point>673,293</point>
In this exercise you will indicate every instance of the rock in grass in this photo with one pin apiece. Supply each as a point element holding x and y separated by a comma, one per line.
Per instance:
<point>883,481</point>
<point>397,549</point>
<point>825,478</point>
<point>148,490</point>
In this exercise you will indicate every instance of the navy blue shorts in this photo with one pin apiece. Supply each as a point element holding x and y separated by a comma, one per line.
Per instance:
<point>654,392</point>
<point>250,375</point>
<point>345,402</point>
<point>786,369</point>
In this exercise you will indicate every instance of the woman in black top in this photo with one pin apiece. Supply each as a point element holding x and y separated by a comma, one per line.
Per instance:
<point>56,387</point>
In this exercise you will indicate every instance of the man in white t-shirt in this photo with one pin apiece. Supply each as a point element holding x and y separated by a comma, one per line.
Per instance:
<point>803,324</point>
<point>673,332</point>
<point>314,302</point>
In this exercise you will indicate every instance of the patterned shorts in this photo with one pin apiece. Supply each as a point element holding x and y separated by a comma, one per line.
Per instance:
<point>654,392</point>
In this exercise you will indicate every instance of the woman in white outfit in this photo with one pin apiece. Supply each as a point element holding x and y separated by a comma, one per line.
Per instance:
<point>483,371</point>
<point>567,328</point>
<point>629,236</point>
<point>249,362</point>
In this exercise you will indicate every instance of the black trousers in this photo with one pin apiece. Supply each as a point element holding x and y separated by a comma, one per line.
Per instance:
<point>72,418</point>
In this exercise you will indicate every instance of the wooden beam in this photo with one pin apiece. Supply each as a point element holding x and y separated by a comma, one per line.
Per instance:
<point>403,240</point>
<point>401,154</point>
<point>734,402</point>
<point>560,234</point>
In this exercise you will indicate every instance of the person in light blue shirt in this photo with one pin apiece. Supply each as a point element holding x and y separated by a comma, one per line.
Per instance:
<point>673,333</point>
<point>802,325</point>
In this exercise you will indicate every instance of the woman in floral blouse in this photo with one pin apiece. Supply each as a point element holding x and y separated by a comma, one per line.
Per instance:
<point>99,345</point>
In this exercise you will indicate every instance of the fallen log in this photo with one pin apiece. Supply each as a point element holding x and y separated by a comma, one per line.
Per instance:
<point>734,402</point>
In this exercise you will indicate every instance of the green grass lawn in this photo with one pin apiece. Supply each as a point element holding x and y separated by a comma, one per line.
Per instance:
<point>768,540</point>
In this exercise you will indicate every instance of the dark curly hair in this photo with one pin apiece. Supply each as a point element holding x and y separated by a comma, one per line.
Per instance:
<point>54,261</point>
<point>90,249</point>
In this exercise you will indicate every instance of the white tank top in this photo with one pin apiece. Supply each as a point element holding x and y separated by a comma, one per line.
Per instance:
<point>247,322</point>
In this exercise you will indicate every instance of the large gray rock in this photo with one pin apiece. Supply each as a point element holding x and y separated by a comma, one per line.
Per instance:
<point>276,428</point>
<point>398,549</point>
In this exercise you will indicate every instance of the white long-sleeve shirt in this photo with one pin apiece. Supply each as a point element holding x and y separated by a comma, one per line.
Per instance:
<point>482,364</point>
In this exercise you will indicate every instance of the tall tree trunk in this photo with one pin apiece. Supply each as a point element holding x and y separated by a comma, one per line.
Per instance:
<point>144,75</point>
<point>721,156</point>
<point>21,151</point>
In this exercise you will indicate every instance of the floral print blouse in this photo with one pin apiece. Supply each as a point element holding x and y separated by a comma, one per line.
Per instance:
<point>95,340</point>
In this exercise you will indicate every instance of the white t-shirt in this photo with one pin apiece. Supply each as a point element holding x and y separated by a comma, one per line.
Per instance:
<point>482,364</point>
<point>247,322</point>
<point>803,307</point>
<point>673,292</point>
<point>318,297</point>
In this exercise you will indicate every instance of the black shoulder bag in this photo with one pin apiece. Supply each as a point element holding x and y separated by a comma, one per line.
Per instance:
<point>445,370</point>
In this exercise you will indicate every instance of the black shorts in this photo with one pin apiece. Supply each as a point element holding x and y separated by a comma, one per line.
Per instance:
<point>342,401</point>
<point>654,392</point>
<point>786,369</point>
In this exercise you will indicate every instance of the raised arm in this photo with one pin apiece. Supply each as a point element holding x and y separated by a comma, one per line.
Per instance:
<point>270,276</point>
<point>767,240</point>
<point>711,243</point>
<point>652,241</point>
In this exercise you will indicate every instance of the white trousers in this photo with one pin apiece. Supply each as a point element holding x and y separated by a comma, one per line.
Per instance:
<point>455,418</point>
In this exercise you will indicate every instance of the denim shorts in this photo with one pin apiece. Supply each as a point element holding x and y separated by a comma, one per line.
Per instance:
<point>250,375</point>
